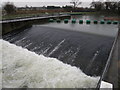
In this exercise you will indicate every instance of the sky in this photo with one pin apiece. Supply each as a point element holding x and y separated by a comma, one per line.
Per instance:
<point>40,3</point>
<point>45,0</point>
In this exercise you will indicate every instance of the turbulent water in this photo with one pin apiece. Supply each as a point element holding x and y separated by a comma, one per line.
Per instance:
<point>23,68</point>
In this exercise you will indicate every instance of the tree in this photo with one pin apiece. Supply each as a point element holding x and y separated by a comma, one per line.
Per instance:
<point>111,5</point>
<point>75,3</point>
<point>108,5</point>
<point>9,8</point>
<point>97,5</point>
<point>67,8</point>
<point>118,7</point>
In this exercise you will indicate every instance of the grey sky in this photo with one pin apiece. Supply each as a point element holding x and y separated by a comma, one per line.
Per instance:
<point>33,3</point>
<point>44,0</point>
<point>20,3</point>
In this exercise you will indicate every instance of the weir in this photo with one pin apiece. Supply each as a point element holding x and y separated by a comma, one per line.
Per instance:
<point>84,46</point>
<point>17,24</point>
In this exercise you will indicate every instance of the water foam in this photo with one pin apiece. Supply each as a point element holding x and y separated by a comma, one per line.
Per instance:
<point>23,68</point>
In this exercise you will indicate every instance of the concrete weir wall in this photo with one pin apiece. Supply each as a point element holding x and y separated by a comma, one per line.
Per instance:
<point>112,75</point>
<point>11,25</point>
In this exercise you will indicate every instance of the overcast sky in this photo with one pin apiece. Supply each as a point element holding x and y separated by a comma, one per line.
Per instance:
<point>43,0</point>
<point>37,3</point>
<point>21,3</point>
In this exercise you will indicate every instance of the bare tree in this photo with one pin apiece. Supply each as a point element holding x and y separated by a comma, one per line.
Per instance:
<point>108,5</point>
<point>75,3</point>
<point>97,5</point>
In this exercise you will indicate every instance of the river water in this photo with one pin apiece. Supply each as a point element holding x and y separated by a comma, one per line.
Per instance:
<point>82,46</point>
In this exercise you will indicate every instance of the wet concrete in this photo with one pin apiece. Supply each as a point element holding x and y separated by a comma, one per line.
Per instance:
<point>89,52</point>
<point>11,25</point>
<point>113,74</point>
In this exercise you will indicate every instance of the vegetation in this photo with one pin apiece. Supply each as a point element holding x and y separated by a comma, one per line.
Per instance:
<point>10,11</point>
<point>75,3</point>
<point>10,8</point>
<point>111,6</point>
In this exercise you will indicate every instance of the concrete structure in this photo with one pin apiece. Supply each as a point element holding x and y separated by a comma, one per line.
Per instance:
<point>113,73</point>
<point>10,25</point>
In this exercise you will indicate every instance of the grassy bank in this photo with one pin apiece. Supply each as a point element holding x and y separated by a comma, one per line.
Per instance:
<point>27,14</point>
<point>16,16</point>
<point>31,14</point>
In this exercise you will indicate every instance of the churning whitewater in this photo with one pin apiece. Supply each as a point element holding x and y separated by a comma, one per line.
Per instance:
<point>23,68</point>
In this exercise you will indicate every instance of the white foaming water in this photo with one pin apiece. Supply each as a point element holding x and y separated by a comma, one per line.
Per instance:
<point>23,68</point>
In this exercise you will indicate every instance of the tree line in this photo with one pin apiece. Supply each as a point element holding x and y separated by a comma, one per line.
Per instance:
<point>110,6</point>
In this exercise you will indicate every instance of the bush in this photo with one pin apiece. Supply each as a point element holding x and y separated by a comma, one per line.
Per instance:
<point>10,8</point>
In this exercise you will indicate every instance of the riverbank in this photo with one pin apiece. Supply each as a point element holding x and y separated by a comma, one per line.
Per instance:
<point>20,16</point>
<point>28,15</point>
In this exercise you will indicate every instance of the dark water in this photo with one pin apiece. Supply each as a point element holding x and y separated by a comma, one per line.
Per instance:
<point>84,46</point>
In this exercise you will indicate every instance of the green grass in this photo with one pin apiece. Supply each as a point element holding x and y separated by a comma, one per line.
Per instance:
<point>14,16</point>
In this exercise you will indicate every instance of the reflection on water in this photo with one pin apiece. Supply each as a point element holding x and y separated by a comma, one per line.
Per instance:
<point>98,29</point>
<point>88,17</point>
<point>93,17</point>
